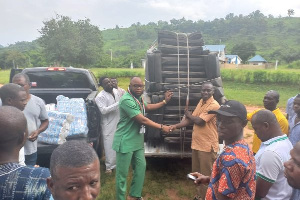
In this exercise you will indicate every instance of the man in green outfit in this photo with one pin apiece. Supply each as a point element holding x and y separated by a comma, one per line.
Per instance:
<point>129,138</point>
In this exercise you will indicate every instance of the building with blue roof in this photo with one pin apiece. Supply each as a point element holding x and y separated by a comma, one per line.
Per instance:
<point>257,60</point>
<point>218,49</point>
<point>233,59</point>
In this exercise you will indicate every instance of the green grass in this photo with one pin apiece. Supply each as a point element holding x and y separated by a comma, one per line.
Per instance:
<point>165,179</point>
<point>253,94</point>
<point>117,72</point>
<point>4,76</point>
<point>248,94</point>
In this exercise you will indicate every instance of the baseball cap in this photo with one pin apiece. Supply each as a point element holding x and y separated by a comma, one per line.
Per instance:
<point>231,108</point>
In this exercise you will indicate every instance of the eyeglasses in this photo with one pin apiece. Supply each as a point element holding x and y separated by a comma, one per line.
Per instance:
<point>22,85</point>
<point>206,90</point>
<point>138,86</point>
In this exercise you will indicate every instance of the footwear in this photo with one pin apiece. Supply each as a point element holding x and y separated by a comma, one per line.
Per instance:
<point>134,198</point>
<point>109,171</point>
<point>197,198</point>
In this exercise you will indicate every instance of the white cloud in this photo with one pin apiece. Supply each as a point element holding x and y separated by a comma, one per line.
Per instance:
<point>20,20</point>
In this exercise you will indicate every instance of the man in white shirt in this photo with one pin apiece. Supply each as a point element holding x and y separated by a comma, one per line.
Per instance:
<point>108,103</point>
<point>36,116</point>
<point>114,83</point>
<point>274,151</point>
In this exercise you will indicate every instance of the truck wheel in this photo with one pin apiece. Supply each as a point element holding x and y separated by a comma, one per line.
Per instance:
<point>218,94</point>
<point>217,82</point>
<point>212,66</point>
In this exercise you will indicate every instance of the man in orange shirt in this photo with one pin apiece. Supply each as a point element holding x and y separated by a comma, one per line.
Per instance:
<point>205,142</point>
<point>270,101</point>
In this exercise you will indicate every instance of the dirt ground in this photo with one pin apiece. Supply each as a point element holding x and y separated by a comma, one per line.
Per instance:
<point>248,132</point>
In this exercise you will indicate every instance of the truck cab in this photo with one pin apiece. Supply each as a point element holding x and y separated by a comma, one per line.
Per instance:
<point>49,82</point>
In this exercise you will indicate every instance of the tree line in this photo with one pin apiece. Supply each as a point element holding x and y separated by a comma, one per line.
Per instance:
<point>82,44</point>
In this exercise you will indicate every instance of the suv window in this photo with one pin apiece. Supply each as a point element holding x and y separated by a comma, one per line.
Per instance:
<point>58,79</point>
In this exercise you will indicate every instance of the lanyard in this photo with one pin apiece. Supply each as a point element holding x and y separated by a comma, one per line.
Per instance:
<point>142,106</point>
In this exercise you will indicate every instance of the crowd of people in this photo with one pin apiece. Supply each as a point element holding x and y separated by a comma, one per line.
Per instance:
<point>270,170</point>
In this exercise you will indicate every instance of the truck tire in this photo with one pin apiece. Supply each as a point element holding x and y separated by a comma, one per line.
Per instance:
<point>219,93</point>
<point>212,66</point>
<point>157,116</point>
<point>217,82</point>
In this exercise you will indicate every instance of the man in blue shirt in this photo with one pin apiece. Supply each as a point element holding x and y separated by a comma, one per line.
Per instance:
<point>17,181</point>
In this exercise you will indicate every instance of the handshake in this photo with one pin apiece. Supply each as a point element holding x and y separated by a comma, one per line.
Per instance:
<point>168,129</point>
<point>186,120</point>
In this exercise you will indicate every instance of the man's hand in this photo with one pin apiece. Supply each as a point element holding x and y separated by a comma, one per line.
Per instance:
<point>166,129</point>
<point>33,136</point>
<point>187,113</point>
<point>168,95</point>
<point>172,128</point>
<point>201,179</point>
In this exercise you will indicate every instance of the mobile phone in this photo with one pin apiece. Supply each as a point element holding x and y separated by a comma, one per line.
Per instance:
<point>189,176</point>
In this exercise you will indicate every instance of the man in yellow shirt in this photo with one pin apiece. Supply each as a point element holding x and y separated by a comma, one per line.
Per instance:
<point>271,100</point>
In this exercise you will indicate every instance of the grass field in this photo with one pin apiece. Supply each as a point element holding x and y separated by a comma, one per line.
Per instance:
<point>253,94</point>
<point>166,178</point>
<point>249,94</point>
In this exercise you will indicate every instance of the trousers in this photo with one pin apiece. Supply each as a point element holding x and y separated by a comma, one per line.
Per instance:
<point>31,159</point>
<point>138,162</point>
<point>202,162</point>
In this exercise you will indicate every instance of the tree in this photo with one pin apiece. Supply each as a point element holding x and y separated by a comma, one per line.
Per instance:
<point>71,43</point>
<point>244,50</point>
<point>291,12</point>
<point>13,58</point>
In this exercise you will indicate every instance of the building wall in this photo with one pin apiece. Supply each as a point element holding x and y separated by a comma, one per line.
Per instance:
<point>243,66</point>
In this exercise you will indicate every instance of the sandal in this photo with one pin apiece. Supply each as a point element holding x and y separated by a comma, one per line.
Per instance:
<point>197,198</point>
<point>136,198</point>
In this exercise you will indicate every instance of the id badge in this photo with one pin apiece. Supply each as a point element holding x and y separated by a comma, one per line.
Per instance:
<point>142,129</point>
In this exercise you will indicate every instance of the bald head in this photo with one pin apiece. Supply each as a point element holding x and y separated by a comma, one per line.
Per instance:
<point>135,78</point>
<point>264,116</point>
<point>265,124</point>
<point>274,93</point>
<point>12,129</point>
<point>13,95</point>
<point>136,86</point>
<point>271,100</point>
<point>10,90</point>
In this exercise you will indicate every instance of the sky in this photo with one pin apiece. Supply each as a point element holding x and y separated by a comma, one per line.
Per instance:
<point>21,20</point>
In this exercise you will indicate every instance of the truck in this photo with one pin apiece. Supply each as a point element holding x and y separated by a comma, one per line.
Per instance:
<point>49,82</point>
<point>177,62</point>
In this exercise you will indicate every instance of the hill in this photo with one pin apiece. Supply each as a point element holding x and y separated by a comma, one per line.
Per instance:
<point>274,38</point>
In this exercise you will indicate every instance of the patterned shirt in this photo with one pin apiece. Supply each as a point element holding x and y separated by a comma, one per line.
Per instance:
<point>23,182</point>
<point>233,173</point>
